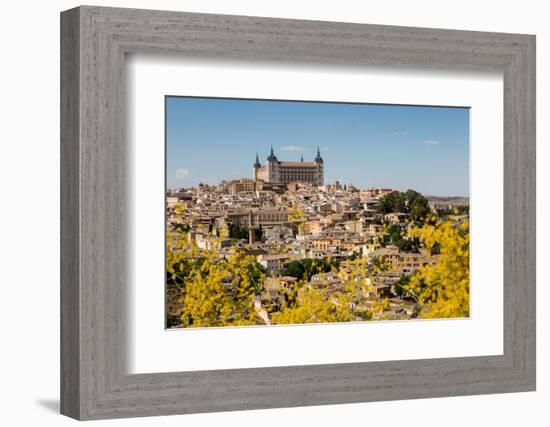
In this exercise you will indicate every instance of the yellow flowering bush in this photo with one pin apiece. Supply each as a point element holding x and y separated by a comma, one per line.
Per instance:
<point>442,288</point>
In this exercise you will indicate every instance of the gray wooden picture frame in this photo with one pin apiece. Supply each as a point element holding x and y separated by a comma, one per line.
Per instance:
<point>94,382</point>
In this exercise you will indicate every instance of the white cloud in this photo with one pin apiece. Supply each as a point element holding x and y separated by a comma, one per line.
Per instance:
<point>182,173</point>
<point>400,133</point>
<point>432,142</point>
<point>325,148</point>
<point>295,148</point>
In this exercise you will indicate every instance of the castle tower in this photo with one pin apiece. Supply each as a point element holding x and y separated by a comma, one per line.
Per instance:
<point>272,167</point>
<point>320,167</point>
<point>256,168</point>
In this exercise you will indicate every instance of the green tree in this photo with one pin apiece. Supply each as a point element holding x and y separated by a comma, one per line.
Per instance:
<point>392,235</point>
<point>401,285</point>
<point>410,202</point>
<point>417,205</point>
<point>305,268</point>
<point>182,228</point>
<point>392,202</point>
<point>236,232</point>
<point>395,235</point>
<point>258,234</point>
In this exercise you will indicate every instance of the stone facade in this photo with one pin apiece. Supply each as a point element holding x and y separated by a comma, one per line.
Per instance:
<point>278,172</point>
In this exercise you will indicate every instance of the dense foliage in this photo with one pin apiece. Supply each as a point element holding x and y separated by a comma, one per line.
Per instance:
<point>396,235</point>
<point>410,202</point>
<point>305,268</point>
<point>442,289</point>
<point>216,291</point>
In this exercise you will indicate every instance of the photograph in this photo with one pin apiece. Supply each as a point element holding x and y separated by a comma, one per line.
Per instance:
<point>295,212</point>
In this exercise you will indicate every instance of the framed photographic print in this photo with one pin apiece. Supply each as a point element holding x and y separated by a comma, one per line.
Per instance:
<point>295,241</point>
<point>348,209</point>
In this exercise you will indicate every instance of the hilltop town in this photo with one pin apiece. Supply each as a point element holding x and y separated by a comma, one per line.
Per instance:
<point>303,232</point>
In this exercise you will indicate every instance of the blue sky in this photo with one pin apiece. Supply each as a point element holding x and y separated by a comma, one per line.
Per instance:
<point>368,145</point>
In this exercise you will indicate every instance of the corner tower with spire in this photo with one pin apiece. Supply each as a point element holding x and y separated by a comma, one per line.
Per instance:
<point>272,157</point>
<point>256,168</point>
<point>320,166</point>
<point>319,159</point>
<point>272,166</point>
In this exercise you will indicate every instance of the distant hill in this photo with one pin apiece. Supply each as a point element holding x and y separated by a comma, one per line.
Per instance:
<point>452,200</point>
